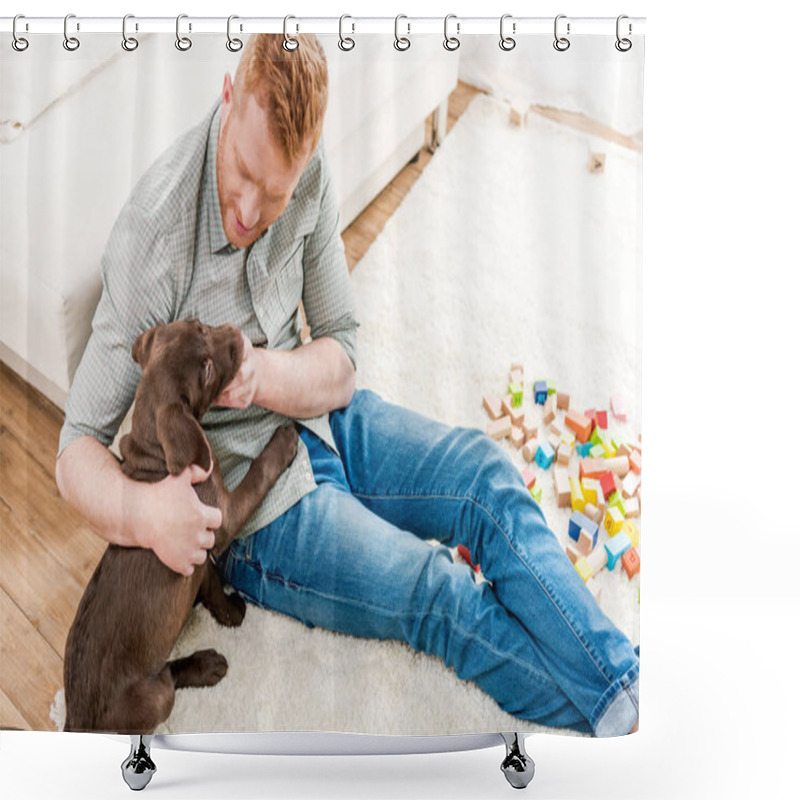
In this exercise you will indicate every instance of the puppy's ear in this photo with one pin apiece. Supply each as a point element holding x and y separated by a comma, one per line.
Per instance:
<point>181,438</point>
<point>142,347</point>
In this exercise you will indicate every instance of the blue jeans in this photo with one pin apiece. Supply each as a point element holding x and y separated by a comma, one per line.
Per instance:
<point>351,557</point>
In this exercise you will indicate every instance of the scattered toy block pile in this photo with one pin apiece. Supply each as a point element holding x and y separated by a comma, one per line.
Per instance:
<point>601,485</point>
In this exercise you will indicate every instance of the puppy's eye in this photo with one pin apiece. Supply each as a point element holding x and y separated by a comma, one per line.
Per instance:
<point>208,370</point>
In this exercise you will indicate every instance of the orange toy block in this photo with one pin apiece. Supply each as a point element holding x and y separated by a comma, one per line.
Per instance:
<point>561,483</point>
<point>562,400</point>
<point>636,462</point>
<point>493,406</point>
<point>630,562</point>
<point>499,428</point>
<point>517,437</point>
<point>593,468</point>
<point>529,476</point>
<point>581,425</point>
<point>529,449</point>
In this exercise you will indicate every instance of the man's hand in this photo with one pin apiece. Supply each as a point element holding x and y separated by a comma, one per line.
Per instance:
<point>181,528</point>
<point>242,389</point>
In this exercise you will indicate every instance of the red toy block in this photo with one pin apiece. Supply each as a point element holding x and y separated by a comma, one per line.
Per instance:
<point>607,484</point>
<point>591,414</point>
<point>529,477</point>
<point>464,553</point>
<point>581,425</point>
<point>602,420</point>
<point>630,562</point>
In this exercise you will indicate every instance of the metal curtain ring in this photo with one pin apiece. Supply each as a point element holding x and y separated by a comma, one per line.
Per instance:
<point>129,43</point>
<point>234,45</point>
<point>346,43</point>
<point>183,43</point>
<point>561,43</point>
<point>19,43</point>
<point>507,42</point>
<point>289,42</point>
<point>401,43</point>
<point>451,42</point>
<point>71,43</point>
<point>623,45</point>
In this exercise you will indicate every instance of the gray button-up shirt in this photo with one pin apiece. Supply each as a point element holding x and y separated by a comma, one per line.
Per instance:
<point>168,258</point>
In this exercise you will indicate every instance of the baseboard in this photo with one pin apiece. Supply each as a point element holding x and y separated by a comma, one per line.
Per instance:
<point>32,376</point>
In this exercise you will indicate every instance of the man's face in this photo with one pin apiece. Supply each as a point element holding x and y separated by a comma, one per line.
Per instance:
<point>255,182</point>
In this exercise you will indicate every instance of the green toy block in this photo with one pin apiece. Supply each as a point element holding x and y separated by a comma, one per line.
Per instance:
<point>615,501</point>
<point>515,390</point>
<point>598,451</point>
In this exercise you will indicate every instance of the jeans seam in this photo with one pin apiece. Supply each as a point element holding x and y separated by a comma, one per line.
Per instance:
<point>624,684</point>
<point>277,578</point>
<point>508,539</point>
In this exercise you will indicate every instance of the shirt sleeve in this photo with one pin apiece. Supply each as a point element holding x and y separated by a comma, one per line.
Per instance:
<point>327,292</point>
<point>137,293</point>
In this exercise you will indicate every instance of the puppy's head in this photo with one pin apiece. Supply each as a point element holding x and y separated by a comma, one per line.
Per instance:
<point>185,365</point>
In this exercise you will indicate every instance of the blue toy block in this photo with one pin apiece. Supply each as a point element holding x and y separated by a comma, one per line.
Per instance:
<point>583,450</point>
<point>616,547</point>
<point>545,455</point>
<point>579,522</point>
<point>540,392</point>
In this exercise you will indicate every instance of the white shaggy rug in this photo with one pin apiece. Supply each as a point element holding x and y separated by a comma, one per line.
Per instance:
<point>505,249</point>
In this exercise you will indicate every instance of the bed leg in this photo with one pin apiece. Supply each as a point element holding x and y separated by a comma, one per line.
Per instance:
<point>518,766</point>
<point>138,767</point>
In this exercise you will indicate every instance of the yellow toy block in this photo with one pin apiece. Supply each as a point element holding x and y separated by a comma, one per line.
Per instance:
<point>632,531</point>
<point>567,437</point>
<point>613,521</point>
<point>578,500</point>
<point>584,569</point>
<point>591,489</point>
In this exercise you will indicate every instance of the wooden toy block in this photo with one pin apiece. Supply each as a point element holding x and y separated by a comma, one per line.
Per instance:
<point>515,390</point>
<point>593,467</point>
<point>517,417</point>
<point>616,547</point>
<point>619,465</point>
<point>567,437</point>
<point>591,489</point>
<point>602,419</point>
<point>499,428</point>
<point>607,484</point>
<point>529,449</point>
<point>576,495</point>
<point>572,553</point>
<point>624,450</point>
<point>517,437</point>
<point>528,477</point>
<point>549,409</point>
<point>593,513</point>
<point>618,408</point>
<point>584,569</point>
<point>554,442</point>
<point>578,423</point>
<point>612,521</point>
<point>630,562</point>
<point>540,392</point>
<point>597,451</point>
<point>585,543</point>
<point>563,453</point>
<point>515,376</point>
<point>598,559</point>
<point>561,485</point>
<point>580,522</point>
<point>465,554</point>
<point>545,455</point>
<point>529,429</point>
<point>636,462</point>
<point>507,404</point>
<point>562,401</point>
<point>631,506</point>
<point>630,484</point>
<point>597,162</point>
<point>493,406</point>
<point>631,531</point>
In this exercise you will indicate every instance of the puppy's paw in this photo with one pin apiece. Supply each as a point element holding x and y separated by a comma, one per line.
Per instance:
<point>211,666</point>
<point>232,613</point>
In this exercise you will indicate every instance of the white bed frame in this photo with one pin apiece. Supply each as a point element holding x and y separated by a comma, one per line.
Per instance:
<point>138,768</point>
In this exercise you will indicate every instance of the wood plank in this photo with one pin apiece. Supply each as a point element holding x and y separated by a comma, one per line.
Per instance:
<point>47,594</point>
<point>580,122</point>
<point>32,670</point>
<point>10,716</point>
<point>31,493</point>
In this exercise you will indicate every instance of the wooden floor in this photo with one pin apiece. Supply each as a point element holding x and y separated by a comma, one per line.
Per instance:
<point>48,551</point>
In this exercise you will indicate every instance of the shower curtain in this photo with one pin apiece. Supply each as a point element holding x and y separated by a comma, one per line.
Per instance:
<point>321,375</point>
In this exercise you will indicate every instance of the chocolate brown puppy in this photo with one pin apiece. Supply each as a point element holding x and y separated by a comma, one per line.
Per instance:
<point>116,675</point>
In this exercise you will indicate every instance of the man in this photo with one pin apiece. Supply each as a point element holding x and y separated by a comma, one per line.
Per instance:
<point>236,223</point>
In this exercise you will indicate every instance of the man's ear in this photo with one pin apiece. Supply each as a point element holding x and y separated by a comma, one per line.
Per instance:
<point>142,347</point>
<point>181,438</point>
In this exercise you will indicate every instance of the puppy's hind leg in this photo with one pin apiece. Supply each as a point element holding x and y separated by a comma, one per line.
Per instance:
<point>227,609</point>
<point>145,704</point>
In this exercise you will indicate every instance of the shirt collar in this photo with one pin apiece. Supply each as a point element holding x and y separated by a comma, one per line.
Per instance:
<point>218,241</point>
